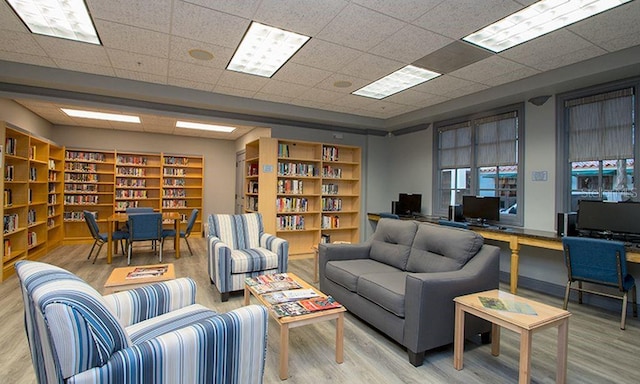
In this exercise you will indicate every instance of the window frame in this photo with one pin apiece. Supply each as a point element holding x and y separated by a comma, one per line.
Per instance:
<point>518,108</point>
<point>563,169</point>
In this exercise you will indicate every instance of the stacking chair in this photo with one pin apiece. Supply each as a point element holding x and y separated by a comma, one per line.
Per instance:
<point>387,215</point>
<point>101,238</point>
<point>183,234</point>
<point>144,227</point>
<point>455,224</point>
<point>138,210</point>
<point>602,262</point>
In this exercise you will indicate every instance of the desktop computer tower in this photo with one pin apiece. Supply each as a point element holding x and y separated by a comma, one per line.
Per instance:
<point>394,207</point>
<point>455,213</point>
<point>566,224</point>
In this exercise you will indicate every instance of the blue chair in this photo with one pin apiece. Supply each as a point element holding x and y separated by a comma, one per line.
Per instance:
<point>455,224</point>
<point>183,234</point>
<point>138,210</point>
<point>602,262</point>
<point>144,227</point>
<point>387,215</point>
<point>101,238</point>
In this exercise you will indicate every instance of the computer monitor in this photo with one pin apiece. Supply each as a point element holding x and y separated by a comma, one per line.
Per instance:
<point>409,204</point>
<point>607,218</point>
<point>481,208</point>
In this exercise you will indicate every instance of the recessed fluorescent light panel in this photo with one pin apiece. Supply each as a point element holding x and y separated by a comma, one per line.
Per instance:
<point>398,81</point>
<point>101,115</point>
<point>67,19</point>
<point>265,49</point>
<point>204,127</point>
<point>536,20</point>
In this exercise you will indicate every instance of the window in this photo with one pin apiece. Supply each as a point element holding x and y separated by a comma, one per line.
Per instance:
<point>480,155</point>
<point>597,137</point>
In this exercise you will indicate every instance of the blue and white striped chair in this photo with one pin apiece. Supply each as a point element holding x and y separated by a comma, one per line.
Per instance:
<point>155,334</point>
<point>238,248</point>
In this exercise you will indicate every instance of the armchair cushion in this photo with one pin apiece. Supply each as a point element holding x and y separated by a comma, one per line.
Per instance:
<point>252,260</point>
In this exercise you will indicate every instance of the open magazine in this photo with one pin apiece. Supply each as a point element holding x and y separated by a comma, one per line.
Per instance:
<point>507,305</point>
<point>306,306</point>
<point>144,272</point>
<point>271,283</point>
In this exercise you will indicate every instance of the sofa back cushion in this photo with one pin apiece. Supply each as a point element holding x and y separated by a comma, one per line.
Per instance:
<point>438,248</point>
<point>391,242</point>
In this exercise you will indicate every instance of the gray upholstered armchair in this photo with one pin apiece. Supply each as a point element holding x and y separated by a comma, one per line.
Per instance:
<point>238,248</point>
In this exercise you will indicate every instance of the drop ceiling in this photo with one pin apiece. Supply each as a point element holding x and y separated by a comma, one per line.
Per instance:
<point>146,44</point>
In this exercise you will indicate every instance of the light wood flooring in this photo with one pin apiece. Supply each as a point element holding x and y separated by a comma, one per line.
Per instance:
<point>599,352</point>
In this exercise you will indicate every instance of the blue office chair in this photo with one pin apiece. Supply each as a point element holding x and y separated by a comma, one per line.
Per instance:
<point>144,227</point>
<point>598,261</point>
<point>101,238</point>
<point>183,234</point>
<point>456,224</point>
<point>131,210</point>
<point>387,215</point>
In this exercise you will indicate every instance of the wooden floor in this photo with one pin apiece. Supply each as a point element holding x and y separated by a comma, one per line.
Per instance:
<point>599,352</point>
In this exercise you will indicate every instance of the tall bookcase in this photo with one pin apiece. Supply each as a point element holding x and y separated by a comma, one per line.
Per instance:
<point>182,186</point>
<point>89,183</point>
<point>55,199</point>
<point>307,192</point>
<point>137,181</point>
<point>30,226</point>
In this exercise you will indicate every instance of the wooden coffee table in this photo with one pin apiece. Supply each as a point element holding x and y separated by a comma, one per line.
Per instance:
<point>118,281</point>
<point>288,322</point>
<point>525,324</point>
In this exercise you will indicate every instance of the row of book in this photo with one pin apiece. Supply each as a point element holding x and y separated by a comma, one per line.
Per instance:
<point>76,215</point>
<point>32,217</point>
<point>128,171</point>
<point>81,167</point>
<point>173,182</point>
<point>252,169</point>
<point>74,187</point>
<point>127,182</point>
<point>331,204</point>
<point>7,248</point>
<point>329,189</point>
<point>292,204</point>
<point>330,153</point>
<point>81,177</point>
<point>174,193</point>
<point>174,204</point>
<point>290,222</point>
<point>85,156</point>
<point>51,210</point>
<point>33,174</point>
<point>8,197</point>
<point>52,164</point>
<point>297,169</point>
<point>331,172</point>
<point>32,239</point>
<point>252,187</point>
<point>133,160</point>
<point>131,194</point>
<point>10,145</point>
<point>52,199</point>
<point>173,172</point>
<point>283,150</point>
<point>290,186</point>
<point>172,160</point>
<point>123,205</point>
<point>53,176</point>
<point>81,199</point>
<point>329,222</point>
<point>11,222</point>
<point>9,172</point>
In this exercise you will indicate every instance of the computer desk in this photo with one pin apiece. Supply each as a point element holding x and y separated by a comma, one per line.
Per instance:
<point>516,237</point>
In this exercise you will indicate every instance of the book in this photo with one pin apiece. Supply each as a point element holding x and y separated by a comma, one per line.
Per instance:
<point>144,272</point>
<point>320,303</point>
<point>271,283</point>
<point>507,305</point>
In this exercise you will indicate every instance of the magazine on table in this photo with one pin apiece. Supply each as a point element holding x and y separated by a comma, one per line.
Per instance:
<point>143,272</point>
<point>507,305</point>
<point>320,303</point>
<point>291,308</point>
<point>304,307</point>
<point>289,295</point>
<point>271,283</point>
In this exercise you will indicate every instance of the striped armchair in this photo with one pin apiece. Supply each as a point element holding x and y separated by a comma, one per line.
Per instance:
<point>154,334</point>
<point>238,247</point>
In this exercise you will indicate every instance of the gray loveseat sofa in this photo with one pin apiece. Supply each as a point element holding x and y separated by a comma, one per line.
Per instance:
<point>404,278</point>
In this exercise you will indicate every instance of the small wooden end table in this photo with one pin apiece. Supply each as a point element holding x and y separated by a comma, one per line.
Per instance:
<point>526,325</point>
<point>118,281</point>
<point>287,322</point>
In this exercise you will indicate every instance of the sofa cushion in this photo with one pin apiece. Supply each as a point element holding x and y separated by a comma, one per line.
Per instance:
<point>346,272</point>
<point>391,242</point>
<point>437,248</point>
<point>385,289</point>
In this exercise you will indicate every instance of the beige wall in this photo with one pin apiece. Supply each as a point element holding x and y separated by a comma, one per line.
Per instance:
<point>20,117</point>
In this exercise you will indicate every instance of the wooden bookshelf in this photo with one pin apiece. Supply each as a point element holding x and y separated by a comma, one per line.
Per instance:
<point>316,194</point>
<point>55,197</point>
<point>137,181</point>
<point>181,181</point>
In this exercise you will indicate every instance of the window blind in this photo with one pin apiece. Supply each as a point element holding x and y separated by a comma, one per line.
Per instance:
<point>455,146</point>
<point>497,140</point>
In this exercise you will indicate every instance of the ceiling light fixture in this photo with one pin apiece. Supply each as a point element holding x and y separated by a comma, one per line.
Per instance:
<point>204,127</point>
<point>398,81</point>
<point>536,20</point>
<point>264,49</point>
<point>101,115</point>
<point>67,19</point>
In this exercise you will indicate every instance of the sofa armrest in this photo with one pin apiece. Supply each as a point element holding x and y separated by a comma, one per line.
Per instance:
<point>131,307</point>
<point>279,246</point>
<point>226,348</point>
<point>437,290</point>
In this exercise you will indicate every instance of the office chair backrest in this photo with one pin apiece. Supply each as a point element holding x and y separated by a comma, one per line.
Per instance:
<point>192,221</point>
<point>139,210</point>
<point>597,260</point>
<point>92,224</point>
<point>455,224</point>
<point>387,215</point>
<point>145,226</point>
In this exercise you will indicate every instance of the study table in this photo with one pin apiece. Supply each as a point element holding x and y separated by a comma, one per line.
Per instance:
<point>516,237</point>
<point>114,219</point>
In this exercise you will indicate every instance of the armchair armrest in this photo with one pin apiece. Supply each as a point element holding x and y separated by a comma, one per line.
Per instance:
<point>226,348</point>
<point>130,307</point>
<point>279,246</point>
<point>219,259</point>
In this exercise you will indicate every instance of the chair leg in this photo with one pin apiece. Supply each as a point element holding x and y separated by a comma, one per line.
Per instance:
<point>97,253</point>
<point>129,252</point>
<point>188,246</point>
<point>634,302</point>
<point>224,296</point>
<point>580,292</point>
<point>623,318</point>
<point>91,251</point>
<point>567,290</point>
<point>161,248</point>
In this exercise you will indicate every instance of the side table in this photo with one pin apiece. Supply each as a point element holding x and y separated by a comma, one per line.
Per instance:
<point>118,280</point>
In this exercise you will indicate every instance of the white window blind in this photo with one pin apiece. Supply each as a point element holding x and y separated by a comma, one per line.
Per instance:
<point>455,146</point>
<point>497,140</point>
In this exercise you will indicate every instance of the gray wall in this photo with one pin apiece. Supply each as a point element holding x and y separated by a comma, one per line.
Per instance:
<point>20,117</point>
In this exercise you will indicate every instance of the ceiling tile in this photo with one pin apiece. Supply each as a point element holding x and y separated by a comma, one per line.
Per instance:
<point>329,83</point>
<point>86,67</point>
<point>197,73</point>
<point>281,88</point>
<point>180,47</point>
<point>141,76</point>
<point>126,126</point>
<point>371,67</point>
<point>307,17</point>
<point>456,19</point>
<point>133,39</point>
<point>615,29</point>
<point>8,19</point>
<point>27,59</point>
<point>325,55</point>
<point>414,98</point>
<point>442,85</point>
<point>409,44</point>
<point>138,62</point>
<point>353,101</point>
<point>148,14</point>
<point>243,8</point>
<point>242,81</point>
<point>408,11</point>
<point>491,70</point>
<point>20,42</point>
<point>72,50</point>
<point>360,28</point>
<point>301,74</point>
<point>203,24</point>
<point>319,95</point>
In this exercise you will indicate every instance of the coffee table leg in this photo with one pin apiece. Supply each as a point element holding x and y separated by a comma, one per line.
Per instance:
<point>247,295</point>
<point>495,339</point>
<point>458,340</point>
<point>525,357</point>
<point>284,351</point>
<point>563,333</point>
<point>340,338</point>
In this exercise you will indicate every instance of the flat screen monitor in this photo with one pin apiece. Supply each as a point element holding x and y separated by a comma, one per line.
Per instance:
<point>409,204</point>
<point>609,217</point>
<point>481,208</point>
